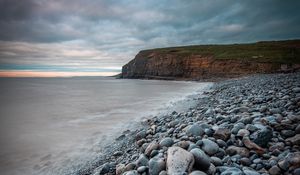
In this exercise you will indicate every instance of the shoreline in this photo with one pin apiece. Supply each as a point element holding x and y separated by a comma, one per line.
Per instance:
<point>220,135</point>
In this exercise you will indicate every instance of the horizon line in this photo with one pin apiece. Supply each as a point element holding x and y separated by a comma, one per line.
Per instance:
<point>49,74</point>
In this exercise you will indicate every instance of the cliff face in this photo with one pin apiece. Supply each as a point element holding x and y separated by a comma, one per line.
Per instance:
<point>159,64</point>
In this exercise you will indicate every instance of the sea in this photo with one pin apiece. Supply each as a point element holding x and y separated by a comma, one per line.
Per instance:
<point>56,125</point>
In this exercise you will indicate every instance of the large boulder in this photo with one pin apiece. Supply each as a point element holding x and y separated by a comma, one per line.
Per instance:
<point>179,161</point>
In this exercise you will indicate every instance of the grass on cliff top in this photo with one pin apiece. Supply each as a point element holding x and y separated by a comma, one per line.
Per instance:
<point>287,51</point>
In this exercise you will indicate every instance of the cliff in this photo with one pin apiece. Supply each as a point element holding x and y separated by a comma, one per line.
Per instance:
<point>214,61</point>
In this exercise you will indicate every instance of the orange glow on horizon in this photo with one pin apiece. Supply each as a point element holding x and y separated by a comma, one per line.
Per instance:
<point>52,74</point>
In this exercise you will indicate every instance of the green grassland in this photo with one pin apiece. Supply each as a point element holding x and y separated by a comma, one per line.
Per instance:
<point>287,51</point>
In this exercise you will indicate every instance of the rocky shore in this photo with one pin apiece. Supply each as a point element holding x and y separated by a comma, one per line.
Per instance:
<point>244,126</point>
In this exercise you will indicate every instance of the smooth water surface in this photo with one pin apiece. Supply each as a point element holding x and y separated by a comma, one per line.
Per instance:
<point>48,125</point>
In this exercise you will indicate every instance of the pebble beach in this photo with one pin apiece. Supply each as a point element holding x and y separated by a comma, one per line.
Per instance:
<point>245,126</point>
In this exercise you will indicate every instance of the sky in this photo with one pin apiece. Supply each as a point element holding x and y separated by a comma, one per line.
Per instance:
<point>97,37</point>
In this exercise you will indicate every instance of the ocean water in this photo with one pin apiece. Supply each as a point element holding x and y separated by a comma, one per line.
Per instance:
<point>49,125</point>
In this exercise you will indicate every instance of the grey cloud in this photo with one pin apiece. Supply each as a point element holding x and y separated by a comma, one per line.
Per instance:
<point>116,29</point>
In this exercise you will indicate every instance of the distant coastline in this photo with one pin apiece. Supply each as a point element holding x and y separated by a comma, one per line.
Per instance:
<point>209,62</point>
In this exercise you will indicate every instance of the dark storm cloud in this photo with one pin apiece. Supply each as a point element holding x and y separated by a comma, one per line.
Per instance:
<point>114,30</point>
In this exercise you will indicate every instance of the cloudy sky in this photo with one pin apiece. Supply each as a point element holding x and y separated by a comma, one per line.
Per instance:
<point>102,35</point>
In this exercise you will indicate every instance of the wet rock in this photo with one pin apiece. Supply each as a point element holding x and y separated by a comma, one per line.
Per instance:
<point>237,127</point>
<point>243,132</point>
<point>296,90</point>
<point>142,161</point>
<point>250,172</point>
<point>152,146</point>
<point>202,161</point>
<point>130,166</point>
<point>192,146</point>
<point>296,171</point>
<point>245,161</point>
<point>251,128</point>
<point>293,159</point>
<point>156,165</point>
<point>199,143</point>
<point>297,130</point>
<point>294,140</point>
<point>163,173</point>
<point>212,169</point>
<point>133,172</point>
<point>154,153</point>
<point>233,150</point>
<point>275,170</point>
<point>140,135</point>
<point>275,111</point>
<point>194,130</point>
<point>253,146</point>
<point>247,120</point>
<point>179,161</point>
<point>294,118</point>
<point>209,147</point>
<point>287,133</point>
<point>239,109</point>
<point>120,169</point>
<point>183,144</point>
<point>117,153</point>
<point>221,143</point>
<point>167,142</point>
<point>197,173</point>
<point>216,161</point>
<point>142,169</point>
<point>222,133</point>
<point>104,168</point>
<point>284,165</point>
<point>262,137</point>
<point>230,171</point>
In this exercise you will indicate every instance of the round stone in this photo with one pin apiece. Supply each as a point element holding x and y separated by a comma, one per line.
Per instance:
<point>202,161</point>
<point>167,142</point>
<point>209,147</point>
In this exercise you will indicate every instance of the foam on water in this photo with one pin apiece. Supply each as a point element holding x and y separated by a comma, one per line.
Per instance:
<point>56,125</point>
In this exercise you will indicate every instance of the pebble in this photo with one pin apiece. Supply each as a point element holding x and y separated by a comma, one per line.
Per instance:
<point>142,169</point>
<point>275,170</point>
<point>142,161</point>
<point>197,173</point>
<point>202,161</point>
<point>194,130</point>
<point>233,150</point>
<point>209,147</point>
<point>294,140</point>
<point>156,165</point>
<point>231,171</point>
<point>152,146</point>
<point>262,137</point>
<point>133,172</point>
<point>167,142</point>
<point>222,133</point>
